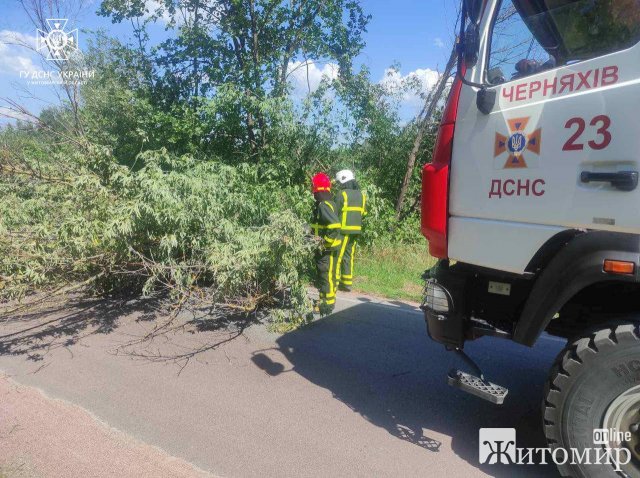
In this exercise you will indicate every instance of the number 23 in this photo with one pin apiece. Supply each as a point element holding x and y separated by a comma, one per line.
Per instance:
<point>602,121</point>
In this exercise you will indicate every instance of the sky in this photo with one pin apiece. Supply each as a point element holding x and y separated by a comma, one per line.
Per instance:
<point>414,34</point>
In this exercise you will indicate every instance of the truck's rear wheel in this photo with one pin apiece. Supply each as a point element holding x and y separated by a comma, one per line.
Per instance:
<point>595,383</point>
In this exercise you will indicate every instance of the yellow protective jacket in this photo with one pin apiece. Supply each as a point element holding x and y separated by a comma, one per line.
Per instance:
<point>352,207</point>
<point>326,224</point>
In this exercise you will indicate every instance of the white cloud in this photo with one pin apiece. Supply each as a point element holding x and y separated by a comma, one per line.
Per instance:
<point>10,37</point>
<point>15,115</point>
<point>155,6</point>
<point>14,59</point>
<point>410,86</point>
<point>438,42</point>
<point>17,52</point>
<point>305,76</point>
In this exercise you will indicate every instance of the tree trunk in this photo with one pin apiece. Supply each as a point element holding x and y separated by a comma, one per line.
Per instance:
<point>423,124</point>
<point>257,76</point>
<point>195,64</point>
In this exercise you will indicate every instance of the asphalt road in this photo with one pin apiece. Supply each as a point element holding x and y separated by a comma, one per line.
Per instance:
<point>359,393</point>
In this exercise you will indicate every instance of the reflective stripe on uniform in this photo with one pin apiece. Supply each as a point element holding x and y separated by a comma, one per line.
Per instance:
<point>351,208</point>
<point>344,208</point>
<point>329,242</point>
<point>327,295</point>
<point>335,225</point>
<point>319,227</point>
<point>353,253</point>
<point>341,256</point>
<point>346,279</point>
<point>332,291</point>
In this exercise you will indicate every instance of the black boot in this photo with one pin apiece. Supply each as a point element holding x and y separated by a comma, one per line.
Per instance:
<point>326,309</point>
<point>322,308</point>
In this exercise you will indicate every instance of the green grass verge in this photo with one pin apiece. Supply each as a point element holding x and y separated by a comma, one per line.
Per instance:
<point>392,271</point>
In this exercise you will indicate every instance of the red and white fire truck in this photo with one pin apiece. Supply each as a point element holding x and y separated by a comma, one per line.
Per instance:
<point>532,206</point>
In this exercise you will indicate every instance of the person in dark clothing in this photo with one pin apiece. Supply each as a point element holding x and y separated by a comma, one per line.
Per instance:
<point>351,203</point>
<point>326,225</point>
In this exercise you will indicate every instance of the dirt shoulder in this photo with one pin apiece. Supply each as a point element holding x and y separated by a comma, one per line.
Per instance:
<point>43,437</point>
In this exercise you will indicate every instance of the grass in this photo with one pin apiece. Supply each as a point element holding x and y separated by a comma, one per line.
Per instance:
<point>392,271</point>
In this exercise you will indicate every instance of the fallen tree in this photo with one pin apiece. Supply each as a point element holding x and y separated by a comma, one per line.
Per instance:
<point>193,232</point>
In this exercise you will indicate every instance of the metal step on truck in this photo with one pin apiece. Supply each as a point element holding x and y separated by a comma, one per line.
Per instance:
<point>532,207</point>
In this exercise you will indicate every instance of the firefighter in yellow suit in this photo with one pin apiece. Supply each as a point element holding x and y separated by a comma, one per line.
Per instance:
<point>351,203</point>
<point>326,225</point>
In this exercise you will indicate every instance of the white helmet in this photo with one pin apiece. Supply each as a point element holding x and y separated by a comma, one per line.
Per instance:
<point>345,176</point>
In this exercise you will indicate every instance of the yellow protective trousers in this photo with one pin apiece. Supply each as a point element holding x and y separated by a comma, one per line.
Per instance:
<point>326,266</point>
<point>344,273</point>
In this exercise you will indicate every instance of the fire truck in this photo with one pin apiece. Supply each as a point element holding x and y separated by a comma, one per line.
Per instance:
<point>531,206</point>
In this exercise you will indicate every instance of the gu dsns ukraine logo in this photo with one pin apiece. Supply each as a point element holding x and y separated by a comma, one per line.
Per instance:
<point>516,144</point>
<point>58,42</point>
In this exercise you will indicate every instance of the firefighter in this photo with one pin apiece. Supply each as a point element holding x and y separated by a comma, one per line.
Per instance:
<point>351,202</point>
<point>326,225</point>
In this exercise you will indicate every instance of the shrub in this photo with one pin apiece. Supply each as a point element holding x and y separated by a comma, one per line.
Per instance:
<point>191,228</point>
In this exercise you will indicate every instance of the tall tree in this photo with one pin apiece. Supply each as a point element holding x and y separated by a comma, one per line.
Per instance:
<point>424,122</point>
<point>247,43</point>
<point>40,13</point>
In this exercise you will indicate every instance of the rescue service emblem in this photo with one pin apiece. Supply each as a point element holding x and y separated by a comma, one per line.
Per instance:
<point>516,144</point>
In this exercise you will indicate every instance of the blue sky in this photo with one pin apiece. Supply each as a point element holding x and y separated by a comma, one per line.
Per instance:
<point>415,34</point>
<point>408,31</point>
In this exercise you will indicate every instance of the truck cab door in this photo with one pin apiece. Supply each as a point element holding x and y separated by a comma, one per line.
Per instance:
<point>560,147</point>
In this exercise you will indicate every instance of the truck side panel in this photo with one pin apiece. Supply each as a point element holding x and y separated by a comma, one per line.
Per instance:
<point>497,244</point>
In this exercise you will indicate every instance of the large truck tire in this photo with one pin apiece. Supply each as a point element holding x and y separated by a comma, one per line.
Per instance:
<point>595,383</point>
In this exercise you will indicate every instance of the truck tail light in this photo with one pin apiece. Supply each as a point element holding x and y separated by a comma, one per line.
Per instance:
<point>435,179</point>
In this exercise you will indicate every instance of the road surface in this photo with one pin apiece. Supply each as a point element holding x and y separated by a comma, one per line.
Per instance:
<point>359,393</point>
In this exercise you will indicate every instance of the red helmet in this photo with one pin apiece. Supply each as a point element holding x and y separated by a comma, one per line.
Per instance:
<point>321,182</point>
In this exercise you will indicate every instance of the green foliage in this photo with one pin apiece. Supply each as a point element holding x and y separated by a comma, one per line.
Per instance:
<point>174,225</point>
<point>184,168</point>
<point>393,270</point>
<point>248,44</point>
<point>373,139</point>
